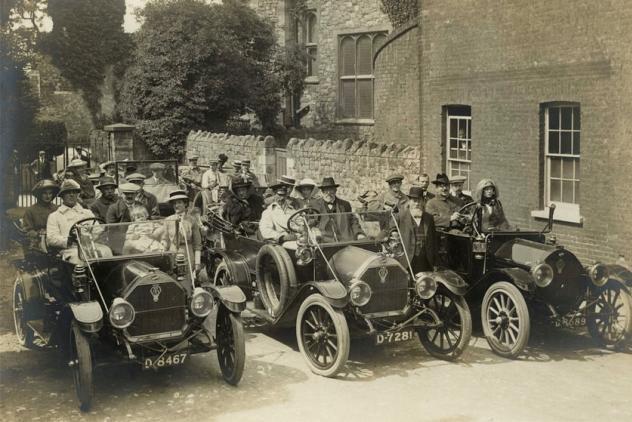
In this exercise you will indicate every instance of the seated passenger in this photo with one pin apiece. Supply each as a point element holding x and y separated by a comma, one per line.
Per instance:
<point>36,216</point>
<point>493,216</point>
<point>107,186</point>
<point>148,199</point>
<point>443,207</point>
<point>456,191</point>
<point>157,175</point>
<point>142,235</point>
<point>242,204</point>
<point>336,228</point>
<point>273,224</point>
<point>306,193</point>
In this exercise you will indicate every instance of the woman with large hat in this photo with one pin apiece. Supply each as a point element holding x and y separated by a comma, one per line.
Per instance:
<point>242,204</point>
<point>36,215</point>
<point>185,236</point>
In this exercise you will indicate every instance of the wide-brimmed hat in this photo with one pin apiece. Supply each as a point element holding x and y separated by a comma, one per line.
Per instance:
<point>306,182</point>
<point>283,181</point>
<point>157,166</point>
<point>128,188</point>
<point>178,194</point>
<point>76,163</point>
<point>441,179</point>
<point>239,182</point>
<point>457,179</point>
<point>328,182</point>
<point>394,177</point>
<point>69,185</point>
<point>44,184</point>
<point>416,192</point>
<point>106,181</point>
<point>135,176</point>
<point>95,175</point>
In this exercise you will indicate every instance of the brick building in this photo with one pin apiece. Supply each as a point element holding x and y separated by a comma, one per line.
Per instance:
<point>529,94</point>
<point>341,37</point>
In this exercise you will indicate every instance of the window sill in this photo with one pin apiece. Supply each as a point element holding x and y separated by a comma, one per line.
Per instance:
<point>312,80</point>
<point>561,215</point>
<point>363,122</point>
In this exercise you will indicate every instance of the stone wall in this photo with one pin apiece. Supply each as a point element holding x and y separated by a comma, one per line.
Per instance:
<point>357,166</point>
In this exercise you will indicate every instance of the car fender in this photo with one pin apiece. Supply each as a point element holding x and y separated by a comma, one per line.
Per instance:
<point>620,275</point>
<point>521,278</point>
<point>451,281</point>
<point>332,290</point>
<point>89,315</point>
<point>237,266</point>
<point>232,297</point>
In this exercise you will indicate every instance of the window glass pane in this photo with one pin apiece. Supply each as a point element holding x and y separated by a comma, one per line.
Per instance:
<point>567,168</point>
<point>554,142</point>
<point>576,143</point>
<point>312,30</point>
<point>347,56</point>
<point>364,56</point>
<point>453,128</point>
<point>576,119</point>
<point>348,99</point>
<point>577,174</point>
<point>469,129</point>
<point>567,191</point>
<point>453,143</point>
<point>365,99</point>
<point>555,187</point>
<point>567,114</point>
<point>554,118</point>
<point>311,63</point>
<point>566,143</point>
<point>556,170</point>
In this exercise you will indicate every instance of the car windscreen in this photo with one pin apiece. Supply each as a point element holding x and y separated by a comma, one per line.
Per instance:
<point>103,241</point>
<point>349,226</point>
<point>161,177</point>
<point>525,252</point>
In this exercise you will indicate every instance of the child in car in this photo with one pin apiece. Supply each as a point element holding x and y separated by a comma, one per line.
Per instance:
<point>143,235</point>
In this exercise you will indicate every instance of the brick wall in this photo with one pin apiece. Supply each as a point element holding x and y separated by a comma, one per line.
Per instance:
<point>504,62</point>
<point>397,87</point>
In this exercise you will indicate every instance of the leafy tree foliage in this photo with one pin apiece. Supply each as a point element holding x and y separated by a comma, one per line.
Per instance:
<point>195,66</point>
<point>400,12</point>
<point>87,37</point>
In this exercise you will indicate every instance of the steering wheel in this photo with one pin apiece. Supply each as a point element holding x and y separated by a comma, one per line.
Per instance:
<point>72,234</point>
<point>292,224</point>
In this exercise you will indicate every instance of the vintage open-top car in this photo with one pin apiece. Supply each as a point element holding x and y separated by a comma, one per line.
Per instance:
<point>518,276</point>
<point>119,294</point>
<point>330,287</point>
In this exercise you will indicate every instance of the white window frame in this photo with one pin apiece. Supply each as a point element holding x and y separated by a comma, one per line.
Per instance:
<point>311,45</point>
<point>467,186</point>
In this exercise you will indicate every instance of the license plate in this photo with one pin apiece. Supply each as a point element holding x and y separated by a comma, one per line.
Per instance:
<point>171,359</point>
<point>572,322</point>
<point>404,334</point>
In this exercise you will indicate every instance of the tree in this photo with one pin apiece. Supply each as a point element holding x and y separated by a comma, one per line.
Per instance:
<point>87,37</point>
<point>195,66</point>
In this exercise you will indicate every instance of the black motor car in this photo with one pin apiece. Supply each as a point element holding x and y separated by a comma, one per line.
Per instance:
<point>331,288</point>
<point>517,277</point>
<point>118,295</point>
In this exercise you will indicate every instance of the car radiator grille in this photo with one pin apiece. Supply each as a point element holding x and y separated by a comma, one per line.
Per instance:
<point>388,296</point>
<point>157,313</point>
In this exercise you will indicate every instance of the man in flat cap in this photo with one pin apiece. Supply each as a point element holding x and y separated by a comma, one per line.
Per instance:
<point>443,207</point>
<point>273,224</point>
<point>148,199</point>
<point>80,170</point>
<point>394,194</point>
<point>340,224</point>
<point>193,173</point>
<point>119,212</point>
<point>107,186</point>
<point>456,191</point>
<point>157,175</point>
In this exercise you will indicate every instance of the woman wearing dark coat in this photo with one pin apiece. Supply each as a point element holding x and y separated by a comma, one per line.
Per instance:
<point>492,215</point>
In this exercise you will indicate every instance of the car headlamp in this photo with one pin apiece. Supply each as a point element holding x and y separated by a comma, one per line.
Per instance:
<point>542,274</point>
<point>121,313</point>
<point>599,274</point>
<point>201,302</point>
<point>425,285</point>
<point>360,293</point>
<point>304,255</point>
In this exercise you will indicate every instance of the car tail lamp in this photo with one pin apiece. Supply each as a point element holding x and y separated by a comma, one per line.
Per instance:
<point>360,293</point>
<point>122,313</point>
<point>201,302</point>
<point>599,274</point>
<point>181,265</point>
<point>542,274</point>
<point>425,285</point>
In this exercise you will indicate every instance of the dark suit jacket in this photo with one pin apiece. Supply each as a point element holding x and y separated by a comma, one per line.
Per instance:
<point>118,212</point>
<point>346,226</point>
<point>430,241</point>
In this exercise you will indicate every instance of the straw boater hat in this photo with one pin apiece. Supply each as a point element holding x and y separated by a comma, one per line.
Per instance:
<point>69,185</point>
<point>128,188</point>
<point>328,182</point>
<point>106,181</point>
<point>394,178</point>
<point>76,163</point>
<point>441,179</point>
<point>136,176</point>
<point>44,184</point>
<point>457,179</point>
<point>283,181</point>
<point>178,194</point>
<point>306,182</point>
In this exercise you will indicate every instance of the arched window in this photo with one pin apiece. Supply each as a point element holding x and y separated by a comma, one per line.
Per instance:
<point>311,42</point>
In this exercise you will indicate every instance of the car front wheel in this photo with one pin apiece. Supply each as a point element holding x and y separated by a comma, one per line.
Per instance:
<point>505,319</point>
<point>23,332</point>
<point>609,318</point>
<point>448,336</point>
<point>81,364</point>
<point>231,345</point>
<point>323,336</point>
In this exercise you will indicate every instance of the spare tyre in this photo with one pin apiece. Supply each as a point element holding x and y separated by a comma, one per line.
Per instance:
<point>276,278</point>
